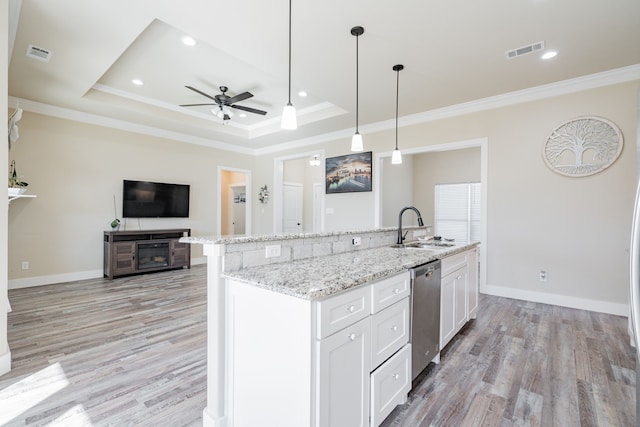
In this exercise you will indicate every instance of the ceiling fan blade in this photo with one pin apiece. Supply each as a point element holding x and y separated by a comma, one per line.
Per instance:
<point>202,93</point>
<point>238,98</point>
<point>249,109</point>
<point>196,105</point>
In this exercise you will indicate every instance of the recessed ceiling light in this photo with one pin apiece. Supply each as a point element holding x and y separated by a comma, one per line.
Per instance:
<point>302,94</point>
<point>242,115</point>
<point>549,54</point>
<point>137,82</point>
<point>189,41</point>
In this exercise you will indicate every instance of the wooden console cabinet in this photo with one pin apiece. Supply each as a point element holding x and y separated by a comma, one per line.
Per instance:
<point>144,251</point>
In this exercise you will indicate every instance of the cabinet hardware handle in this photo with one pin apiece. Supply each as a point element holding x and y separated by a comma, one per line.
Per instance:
<point>351,308</point>
<point>394,328</point>
<point>396,291</point>
<point>459,277</point>
<point>396,377</point>
<point>352,337</point>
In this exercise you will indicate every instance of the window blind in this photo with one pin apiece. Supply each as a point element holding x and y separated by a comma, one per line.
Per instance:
<point>457,211</point>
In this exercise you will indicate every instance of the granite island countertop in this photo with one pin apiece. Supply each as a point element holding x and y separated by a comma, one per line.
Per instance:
<point>321,277</point>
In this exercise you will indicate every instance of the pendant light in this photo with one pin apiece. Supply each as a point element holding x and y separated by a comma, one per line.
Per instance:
<point>289,120</point>
<point>356,140</point>
<point>396,157</point>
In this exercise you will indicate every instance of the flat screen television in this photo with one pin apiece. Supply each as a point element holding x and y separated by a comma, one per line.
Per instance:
<point>143,199</point>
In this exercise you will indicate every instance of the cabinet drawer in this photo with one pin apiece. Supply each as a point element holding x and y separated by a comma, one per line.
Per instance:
<point>342,310</point>
<point>453,263</point>
<point>389,331</point>
<point>390,384</point>
<point>390,290</point>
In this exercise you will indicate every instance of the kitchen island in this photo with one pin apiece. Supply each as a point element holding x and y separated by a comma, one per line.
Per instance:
<point>269,350</point>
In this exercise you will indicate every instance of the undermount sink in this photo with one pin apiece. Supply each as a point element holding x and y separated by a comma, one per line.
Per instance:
<point>424,245</point>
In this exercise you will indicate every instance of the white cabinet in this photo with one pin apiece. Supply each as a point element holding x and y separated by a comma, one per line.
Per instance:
<point>459,293</point>
<point>341,361</point>
<point>343,377</point>
<point>389,331</point>
<point>390,384</point>
<point>473,284</point>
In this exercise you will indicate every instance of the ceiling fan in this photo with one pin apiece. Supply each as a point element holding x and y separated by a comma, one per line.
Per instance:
<point>224,102</point>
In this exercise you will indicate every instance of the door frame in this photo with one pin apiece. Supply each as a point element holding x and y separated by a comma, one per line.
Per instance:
<point>247,183</point>
<point>318,207</point>
<point>278,178</point>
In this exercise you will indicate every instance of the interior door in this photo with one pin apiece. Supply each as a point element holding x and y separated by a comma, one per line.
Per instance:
<point>239,203</point>
<point>292,208</point>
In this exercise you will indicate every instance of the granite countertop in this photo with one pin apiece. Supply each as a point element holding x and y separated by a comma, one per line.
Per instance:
<point>316,278</point>
<point>225,240</point>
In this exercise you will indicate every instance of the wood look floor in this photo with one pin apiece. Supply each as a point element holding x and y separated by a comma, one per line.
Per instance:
<point>132,351</point>
<point>123,352</point>
<point>528,364</point>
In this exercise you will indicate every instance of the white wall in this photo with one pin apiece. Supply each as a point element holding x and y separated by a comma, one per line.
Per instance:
<point>442,167</point>
<point>576,229</point>
<point>397,191</point>
<point>75,169</point>
<point>5,355</point>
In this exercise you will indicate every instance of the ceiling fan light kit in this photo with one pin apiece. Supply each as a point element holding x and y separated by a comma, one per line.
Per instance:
<point>396,157</point>
<point>224,102</point>
<point>289,120</point>
<point>356,140</point>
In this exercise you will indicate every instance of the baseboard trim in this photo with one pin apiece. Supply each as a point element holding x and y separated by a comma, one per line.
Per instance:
<point>561,300</point>
<point>5,362</point>
<point>208,420</point>
<point>199,261</point>
<point>29,282</point>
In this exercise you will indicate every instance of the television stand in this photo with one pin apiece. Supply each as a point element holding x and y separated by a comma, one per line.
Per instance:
<point>145,251</point>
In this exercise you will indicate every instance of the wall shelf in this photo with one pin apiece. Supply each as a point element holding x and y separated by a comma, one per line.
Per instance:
<point>21,196</point>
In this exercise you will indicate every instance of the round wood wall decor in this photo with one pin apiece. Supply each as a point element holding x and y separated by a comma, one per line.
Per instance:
<point>583,146</point>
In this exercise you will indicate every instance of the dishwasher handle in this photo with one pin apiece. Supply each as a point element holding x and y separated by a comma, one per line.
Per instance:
<point>427,270</point>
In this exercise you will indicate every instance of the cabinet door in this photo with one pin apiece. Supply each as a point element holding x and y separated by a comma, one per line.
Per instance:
<point>180,254</point>
<point>460,285</point>
<point>123,258</point>
<point>447,309</point>
<point>472,284</point>
<point>342,388</point>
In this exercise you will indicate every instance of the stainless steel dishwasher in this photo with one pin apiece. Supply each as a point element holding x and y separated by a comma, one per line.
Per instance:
<point>425,315</point>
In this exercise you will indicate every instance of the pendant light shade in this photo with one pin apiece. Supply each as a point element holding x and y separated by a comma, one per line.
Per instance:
<point>396,157</point>
<point>289,120</point>
<point>356,140</point>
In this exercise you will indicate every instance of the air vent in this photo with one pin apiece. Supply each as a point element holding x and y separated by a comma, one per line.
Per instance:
<point>39,53</point>
<point>524,50</point>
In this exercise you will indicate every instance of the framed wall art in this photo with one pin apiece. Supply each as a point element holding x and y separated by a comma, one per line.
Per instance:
<point>350,173</point>
<point>583,146</point>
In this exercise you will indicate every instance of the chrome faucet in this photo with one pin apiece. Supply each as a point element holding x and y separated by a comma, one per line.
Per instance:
<point>420,223</point>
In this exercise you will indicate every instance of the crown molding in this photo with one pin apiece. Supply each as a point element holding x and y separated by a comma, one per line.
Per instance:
<point>94,119</point>
<point>578,84</point>
<point>592,81</point>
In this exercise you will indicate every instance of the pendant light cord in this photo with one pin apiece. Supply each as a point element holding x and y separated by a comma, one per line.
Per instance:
<point>289,103</point>
<point>397,96</point>
<point>357,81</point>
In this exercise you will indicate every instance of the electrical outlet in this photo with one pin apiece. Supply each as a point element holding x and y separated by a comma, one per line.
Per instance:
<point>272,251</point>
<point>356,241</point>
<point>25,265</point>
<point>419,233</point>
<point>543,276</point>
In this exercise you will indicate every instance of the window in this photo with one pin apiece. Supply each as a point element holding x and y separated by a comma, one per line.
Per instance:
<point>457,211</point>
